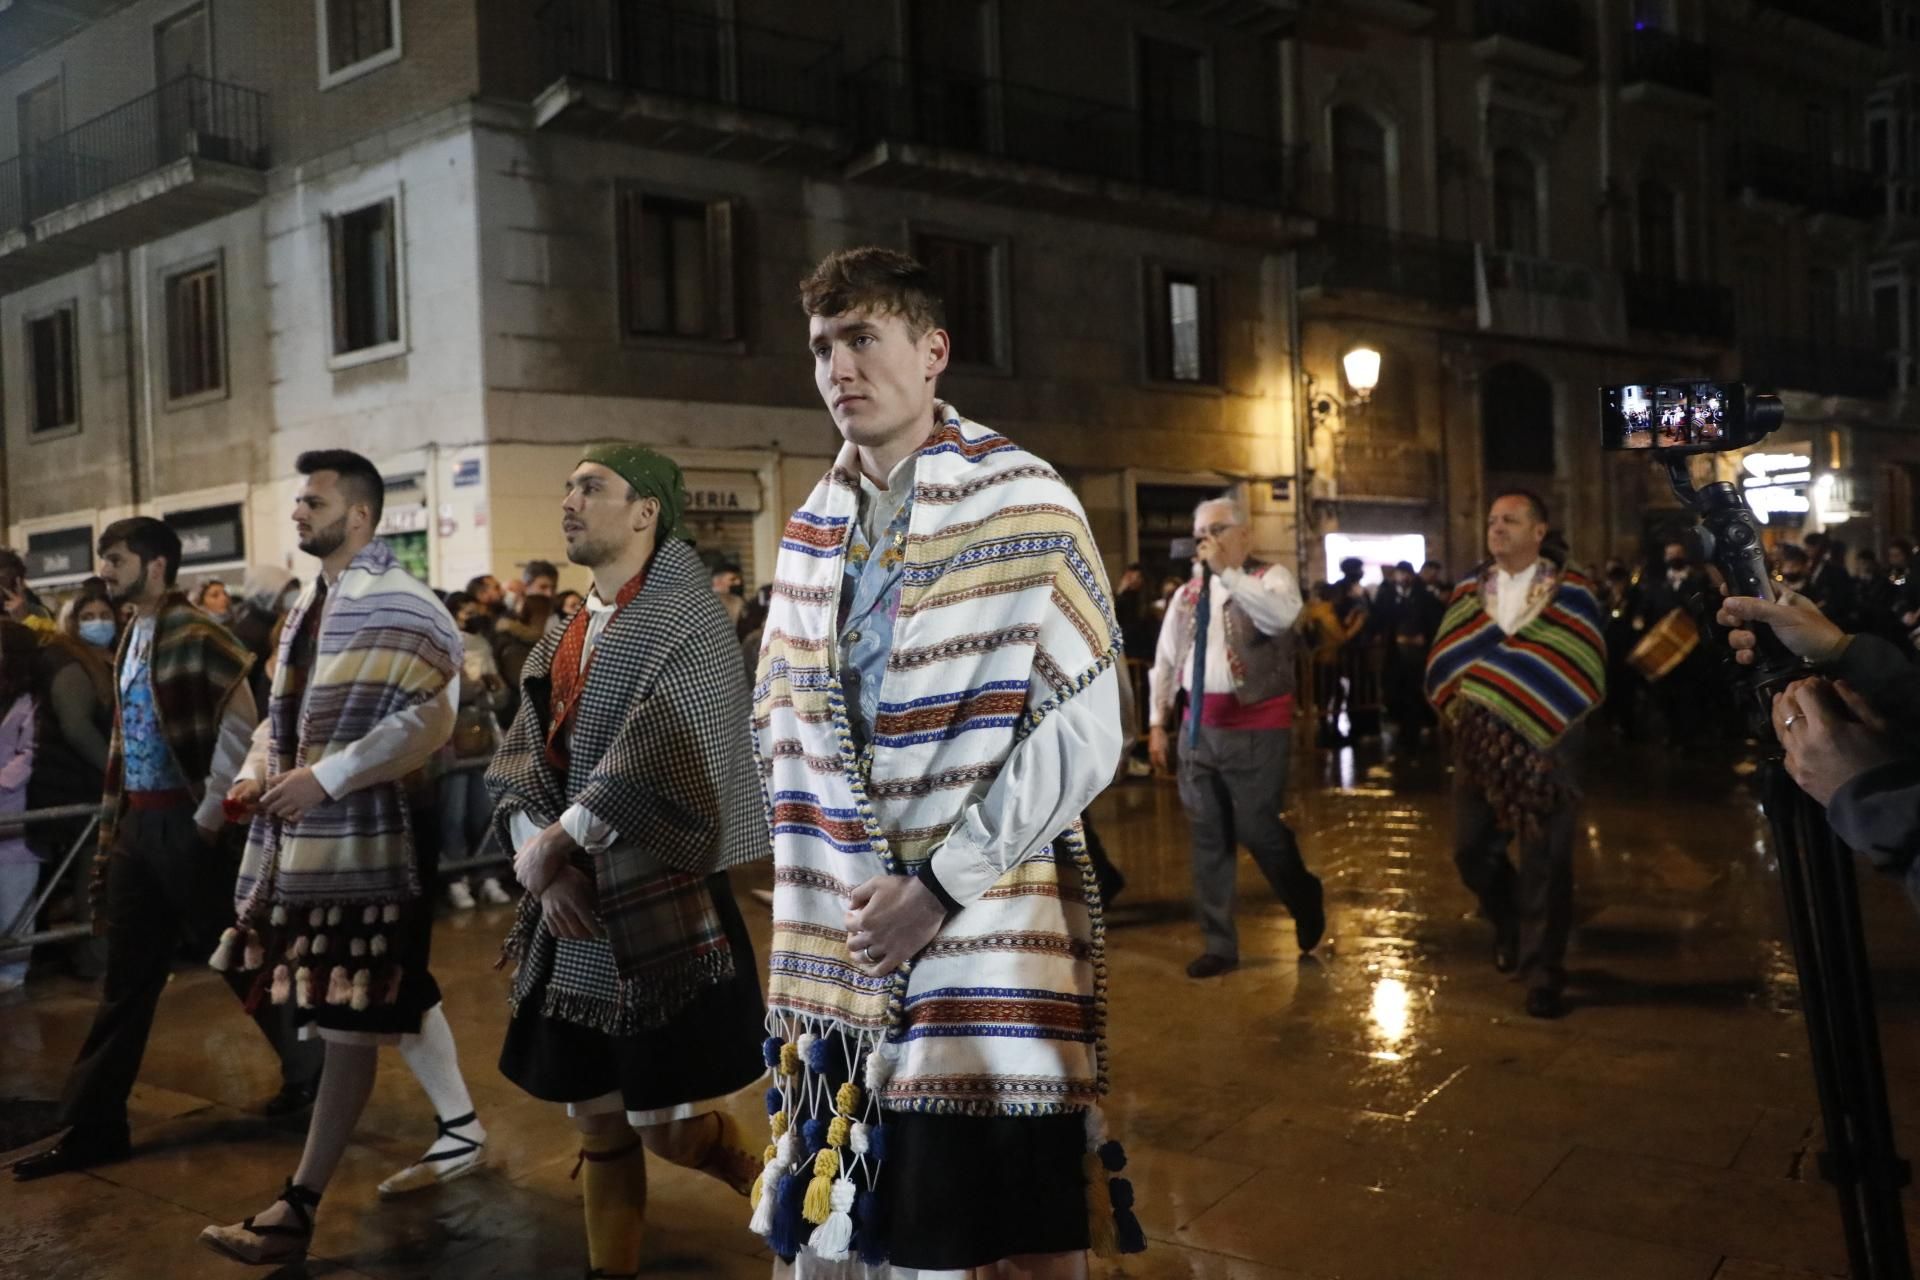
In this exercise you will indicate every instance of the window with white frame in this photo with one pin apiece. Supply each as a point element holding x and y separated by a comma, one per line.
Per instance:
<point>676,266</point>
<point>356,36</point>
<point>363,252</point>
<point>196,358</point>
<point>53,368</point>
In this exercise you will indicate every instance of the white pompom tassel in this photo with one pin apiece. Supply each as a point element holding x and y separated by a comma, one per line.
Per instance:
<point>222,957</point>
<point>390,913</point>
<point>279,914</point>
<point>879,1067</point>
<point>833,1237</point>
<point>379,945</point>
<point>282,984</point>
<point>857,1138</point>
<point>362,989</point>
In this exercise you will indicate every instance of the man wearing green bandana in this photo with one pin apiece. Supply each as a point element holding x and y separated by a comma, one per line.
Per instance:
<point>627,786</point>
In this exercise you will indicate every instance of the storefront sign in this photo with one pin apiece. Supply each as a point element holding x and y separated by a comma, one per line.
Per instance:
<point>210,535</point>
<point>60,553</point>
<point>723,491</point>
<point>411,518</point>
<point>1776,485</point>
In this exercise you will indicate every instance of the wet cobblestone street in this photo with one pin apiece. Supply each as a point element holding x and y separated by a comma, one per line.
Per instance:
<point>1385,1111</point>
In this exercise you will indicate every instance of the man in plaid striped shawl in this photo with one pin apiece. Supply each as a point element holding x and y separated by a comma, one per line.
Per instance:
<point>1518,664</point>
<point>627,785</point>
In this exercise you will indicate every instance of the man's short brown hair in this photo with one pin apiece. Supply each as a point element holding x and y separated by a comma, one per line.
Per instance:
<point>882,281</point>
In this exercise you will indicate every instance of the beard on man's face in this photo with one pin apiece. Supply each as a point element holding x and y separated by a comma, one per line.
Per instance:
<point>322,543</point>
<point>591,553</point>
<point>127,593</point>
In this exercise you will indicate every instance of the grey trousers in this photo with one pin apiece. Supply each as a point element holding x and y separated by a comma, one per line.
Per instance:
<point>1537,898</point>
<point>1233,783</point>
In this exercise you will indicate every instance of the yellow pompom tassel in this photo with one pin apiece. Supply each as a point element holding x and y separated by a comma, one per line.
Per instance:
<point>789,1060</point>
<point>837,1131</point>
<point>779,1124</point>
<point>819,1199</point>
<point>847,1101</point>
<point>1100,1237</point>
<point>753,1196</point>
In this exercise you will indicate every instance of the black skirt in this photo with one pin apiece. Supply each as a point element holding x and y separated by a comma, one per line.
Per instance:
<point>709,1049</point>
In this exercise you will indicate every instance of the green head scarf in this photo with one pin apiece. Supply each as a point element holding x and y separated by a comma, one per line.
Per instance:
<point>652,476</point>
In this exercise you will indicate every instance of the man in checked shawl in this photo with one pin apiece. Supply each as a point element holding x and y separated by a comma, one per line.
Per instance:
<point>1518,663</point>
<point>936,702</point>
<point>626,784</point>
<point>334,904</point>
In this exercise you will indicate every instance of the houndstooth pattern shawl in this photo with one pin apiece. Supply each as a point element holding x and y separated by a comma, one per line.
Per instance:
<point>660,749</point>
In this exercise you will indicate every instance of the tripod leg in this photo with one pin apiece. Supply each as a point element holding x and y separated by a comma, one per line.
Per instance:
<point>1880,1173</point>
<point>1811,965</point>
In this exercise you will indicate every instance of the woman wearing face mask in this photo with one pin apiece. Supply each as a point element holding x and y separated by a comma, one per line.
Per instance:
<point>73,719</point>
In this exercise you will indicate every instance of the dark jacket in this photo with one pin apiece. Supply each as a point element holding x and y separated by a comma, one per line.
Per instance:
<point>1878,813</point>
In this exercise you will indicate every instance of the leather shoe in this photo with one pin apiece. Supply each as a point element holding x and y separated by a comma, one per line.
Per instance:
<point>1310,926</point>
<point>80,1149</point>
<point>1506,946</point>
<point>1545,1002</point>
<point>292,1099</point>
<point>1209,965</point>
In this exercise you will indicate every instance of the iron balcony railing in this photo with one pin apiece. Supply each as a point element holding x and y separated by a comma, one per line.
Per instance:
<point>894,99</point>
<point>189,116</point>
<point>1660,57</point>
<point>1794,177</point>
<point>1802,364</point>
<point>1857,19</point>
<point>665,49</point>
<point>1548,24</point>
<point>1375,260</point>
<point>1664,305</point>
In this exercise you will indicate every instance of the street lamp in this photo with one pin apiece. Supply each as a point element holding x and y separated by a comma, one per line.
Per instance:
<point>1363,371</point>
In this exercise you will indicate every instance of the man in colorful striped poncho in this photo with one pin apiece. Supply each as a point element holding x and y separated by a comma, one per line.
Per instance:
<point>1518,664</point>
<point>935,704</point>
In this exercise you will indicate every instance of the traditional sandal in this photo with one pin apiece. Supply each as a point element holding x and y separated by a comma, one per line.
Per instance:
<point>728,1160</point>
<point>602,1157</point>
<point>269,1245</point>
<point>427,1171</point>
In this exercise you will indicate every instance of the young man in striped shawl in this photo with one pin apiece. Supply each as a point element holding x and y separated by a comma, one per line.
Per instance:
<point>1518,664</point>
<point>627,785</point>
<point>334,899</point>
<point>936,702</point>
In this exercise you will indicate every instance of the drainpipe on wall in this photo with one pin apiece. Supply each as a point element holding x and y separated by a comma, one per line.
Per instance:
<point>139,391</point>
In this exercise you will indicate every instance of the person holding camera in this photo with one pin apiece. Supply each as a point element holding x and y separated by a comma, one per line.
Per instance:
<point>1518,664</point>
<point>1834,726</point>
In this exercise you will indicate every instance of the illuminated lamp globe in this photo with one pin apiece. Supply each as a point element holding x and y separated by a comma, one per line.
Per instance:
<point>1363,370</point>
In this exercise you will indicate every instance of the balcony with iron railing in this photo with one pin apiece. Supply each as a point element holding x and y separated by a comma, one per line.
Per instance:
<point>1686,308</point>
<point>190,150</point>
<point>1811,365</point>
<point>1534,35</point>
<point>661,75</point>
<point>1349,258</point>
<point>1662,68</point>
<point>1785,176</point>
<point>1855,19</point>
<point>921,125</point>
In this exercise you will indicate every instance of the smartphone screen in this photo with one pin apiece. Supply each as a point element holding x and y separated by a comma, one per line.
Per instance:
<point>1682,417</point>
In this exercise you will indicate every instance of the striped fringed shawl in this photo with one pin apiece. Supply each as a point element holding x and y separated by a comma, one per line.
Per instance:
<point>386,643</point>
<point>1541,680</point>
<point>1003,617</point>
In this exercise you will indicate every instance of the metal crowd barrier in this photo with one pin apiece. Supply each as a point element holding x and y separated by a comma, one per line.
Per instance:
<point>490,855</point>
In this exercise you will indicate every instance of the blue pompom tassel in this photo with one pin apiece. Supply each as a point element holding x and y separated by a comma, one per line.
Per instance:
<point>819,1055</point>
<point>1120,1192</point>
<point>813,1134</point>
<point>869,1241</point>
<point>789,1220</point>
<point>1113,1157</point>
<point>1128,1236</point>
<point>770,1051</point>
<point>877,1143</point>
<point>774,1102</point>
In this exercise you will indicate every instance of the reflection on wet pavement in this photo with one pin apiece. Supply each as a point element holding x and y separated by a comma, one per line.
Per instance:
<point>1383,1110</point>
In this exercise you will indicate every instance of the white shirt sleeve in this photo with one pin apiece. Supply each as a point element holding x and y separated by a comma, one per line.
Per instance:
<point>393,748</point>
<point>523,829</point>
<point>1272,600</point>
<point>1045,785</point>
<point>230,752</point>
<point>588,831</point>
<point>257,764</point>
<point>1163,682</point>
